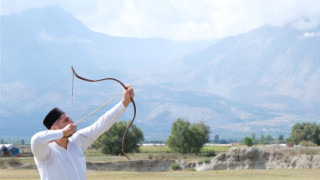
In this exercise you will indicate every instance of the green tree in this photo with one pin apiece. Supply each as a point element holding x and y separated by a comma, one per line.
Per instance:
<point>216,139</point>
<point>261,138</point>
<point>253,137</point>
<point>247,141</point>
<point>305,132</point>
<point>199,136</point>
<point>281,138</point>
<point>187,138</point>
<point>308,143</point>
<point>268,139</point>
<point>180,136</point>
<point>111,141</point>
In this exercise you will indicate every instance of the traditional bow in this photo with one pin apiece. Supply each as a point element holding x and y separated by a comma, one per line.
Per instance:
<point>133,103</point>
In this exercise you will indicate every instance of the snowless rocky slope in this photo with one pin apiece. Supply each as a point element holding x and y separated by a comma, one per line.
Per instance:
<point>265,158</point>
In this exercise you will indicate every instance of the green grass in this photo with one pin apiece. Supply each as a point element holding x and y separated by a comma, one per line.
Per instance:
<point>283,174</point>
<point>154,149</point>
<point>217,149</point>
<point>174,166</point>
<point>165,149</point>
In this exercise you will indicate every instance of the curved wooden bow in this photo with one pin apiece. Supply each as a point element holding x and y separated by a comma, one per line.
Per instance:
<point>133,103</point>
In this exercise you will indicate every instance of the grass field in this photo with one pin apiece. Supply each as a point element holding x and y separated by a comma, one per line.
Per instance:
<point>300,174</point>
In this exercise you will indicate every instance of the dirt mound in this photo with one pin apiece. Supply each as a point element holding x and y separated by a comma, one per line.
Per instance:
<point>264,158</point>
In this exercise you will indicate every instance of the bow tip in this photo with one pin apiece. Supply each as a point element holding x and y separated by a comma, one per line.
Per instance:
<point>125,154</point>
<point>74,72</point>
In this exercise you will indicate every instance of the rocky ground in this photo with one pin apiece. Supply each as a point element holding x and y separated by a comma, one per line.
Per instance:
<point>264,158</point>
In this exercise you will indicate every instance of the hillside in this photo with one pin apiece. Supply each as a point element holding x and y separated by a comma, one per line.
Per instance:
<point>261,81</point>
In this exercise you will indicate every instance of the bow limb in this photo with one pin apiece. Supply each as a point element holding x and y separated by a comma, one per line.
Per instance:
<point>133,103</point>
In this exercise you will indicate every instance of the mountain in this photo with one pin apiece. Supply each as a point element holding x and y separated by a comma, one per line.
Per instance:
<point>39,46</point>
<point>270,77</point>
<point>261,81</point>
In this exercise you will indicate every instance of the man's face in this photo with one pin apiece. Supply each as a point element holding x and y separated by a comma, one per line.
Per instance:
<point>62,122</point>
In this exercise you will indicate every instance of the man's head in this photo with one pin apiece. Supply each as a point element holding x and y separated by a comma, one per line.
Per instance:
<point>56,119</point>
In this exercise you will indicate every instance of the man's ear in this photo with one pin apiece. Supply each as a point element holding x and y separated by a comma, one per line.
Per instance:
<point>54,127</point>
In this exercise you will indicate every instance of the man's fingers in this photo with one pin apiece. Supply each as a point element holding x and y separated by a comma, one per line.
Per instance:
<point>130,91</point>
<point>69,130</point>
<point>73,128</point>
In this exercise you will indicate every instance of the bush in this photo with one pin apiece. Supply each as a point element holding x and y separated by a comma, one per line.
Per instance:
<point>308,143</point>
<point>305,132</point>
<point>175,166</point>
<point>13,162</point>
<point>209,153</point>
<point>150,156</point>
<point>188,138</point>
<point>248,141</point>
<point>111,141</point>
<point>207,161</point>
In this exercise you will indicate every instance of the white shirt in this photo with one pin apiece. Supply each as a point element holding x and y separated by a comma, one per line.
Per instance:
<point>56,163</point>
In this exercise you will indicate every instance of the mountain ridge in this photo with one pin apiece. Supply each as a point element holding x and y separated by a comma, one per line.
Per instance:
<point>262,81</point>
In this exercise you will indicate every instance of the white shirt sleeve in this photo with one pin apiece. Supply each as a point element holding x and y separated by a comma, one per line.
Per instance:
<point>40,143</point>
<point>87,135</point>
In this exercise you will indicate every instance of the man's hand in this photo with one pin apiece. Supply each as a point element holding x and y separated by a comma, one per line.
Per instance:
<point>128,94</point>
<point>69,130</point>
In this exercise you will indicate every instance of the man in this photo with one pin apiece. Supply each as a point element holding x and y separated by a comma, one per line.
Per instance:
<point>59,151</point>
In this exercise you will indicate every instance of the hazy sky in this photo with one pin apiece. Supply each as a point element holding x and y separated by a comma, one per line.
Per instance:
<point>179,19</point>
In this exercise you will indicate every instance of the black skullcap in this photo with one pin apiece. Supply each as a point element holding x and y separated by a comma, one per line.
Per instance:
<point>52,116</point>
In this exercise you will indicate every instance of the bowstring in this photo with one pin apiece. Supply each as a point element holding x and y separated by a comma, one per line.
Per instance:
<point>98,109</point>
<point>72,95</point>
<point>72,89</point>
<point>108,102</point>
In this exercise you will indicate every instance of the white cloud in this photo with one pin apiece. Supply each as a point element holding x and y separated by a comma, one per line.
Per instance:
<point>276,106</point>
<point>17,7</point>
<point>306,24</point>
<point>241,114</point>
<point>311,34</point>
<point>180,19</point>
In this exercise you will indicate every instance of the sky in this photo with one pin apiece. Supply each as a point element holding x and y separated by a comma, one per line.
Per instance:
<point>179,19</point>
